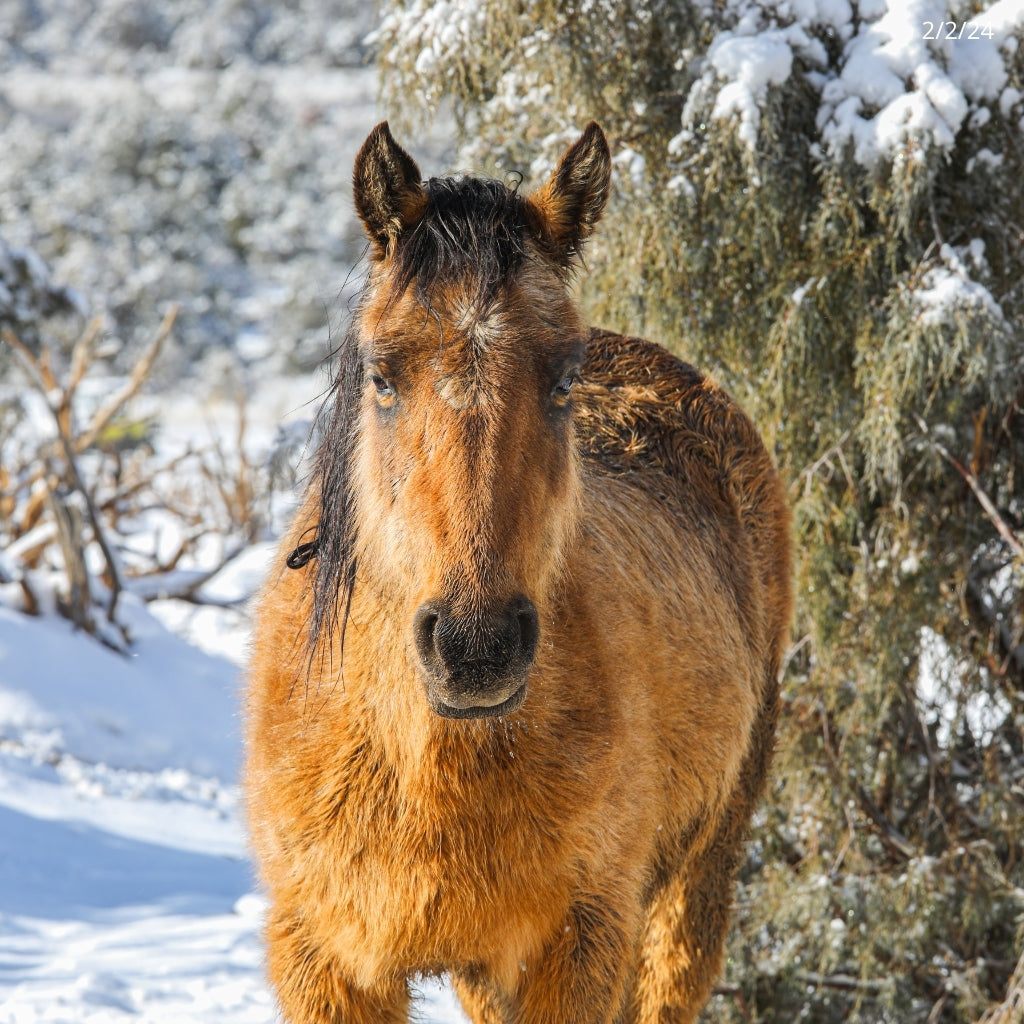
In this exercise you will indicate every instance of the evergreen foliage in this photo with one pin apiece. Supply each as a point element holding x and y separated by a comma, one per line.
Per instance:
<point>844,251</point>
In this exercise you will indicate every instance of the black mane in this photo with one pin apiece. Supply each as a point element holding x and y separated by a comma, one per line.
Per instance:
<point>333,543</point>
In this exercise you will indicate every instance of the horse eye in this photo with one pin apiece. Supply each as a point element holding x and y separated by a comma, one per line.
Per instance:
<point>384,389</point>
<point>564,386</point>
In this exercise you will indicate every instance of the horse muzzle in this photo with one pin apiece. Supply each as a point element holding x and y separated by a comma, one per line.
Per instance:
<point>476,665</point>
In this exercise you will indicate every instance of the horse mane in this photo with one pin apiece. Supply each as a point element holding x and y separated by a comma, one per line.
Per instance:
<point>473,230</point>
<point>333,543</point>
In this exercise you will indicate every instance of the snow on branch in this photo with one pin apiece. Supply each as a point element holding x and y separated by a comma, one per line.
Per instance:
<point>908,75</point>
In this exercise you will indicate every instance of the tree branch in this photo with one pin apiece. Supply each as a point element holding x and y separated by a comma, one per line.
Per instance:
<point>984,500</point>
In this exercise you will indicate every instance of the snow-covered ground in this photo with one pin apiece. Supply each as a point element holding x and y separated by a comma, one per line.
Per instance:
<point>126,892</point>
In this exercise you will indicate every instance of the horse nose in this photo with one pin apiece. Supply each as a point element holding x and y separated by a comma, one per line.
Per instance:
<point>474,652</point>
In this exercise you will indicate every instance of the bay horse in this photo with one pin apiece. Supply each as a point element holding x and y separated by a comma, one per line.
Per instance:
<point>514,682</point>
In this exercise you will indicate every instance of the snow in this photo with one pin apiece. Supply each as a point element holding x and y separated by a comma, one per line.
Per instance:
<point>126,893</point>
<point>942,698</point>
<point>898,89</point>
<point>132,713</point>
<point>895,94</point>
<point>749,64</point>
<point>124,887</point>
<point>442,28</point>
<point>948,286</point>
<point>890,68</point>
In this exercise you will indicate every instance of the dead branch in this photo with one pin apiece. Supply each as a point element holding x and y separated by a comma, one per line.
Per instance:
<point>68,520</point>
<point>894,841</point>
<point>141,370</point>
<point>1011,1009</point>
<point>33,510</point>
<point>39,370</point>
<point>28,548</point>
<point>890,835</point>
<point>80,359</point>
<point>81,356</point>
<point>184,585</point>
<point>843,982</point>
<point>99,534</point>
<point>736,994</point>
<point>59,401</point>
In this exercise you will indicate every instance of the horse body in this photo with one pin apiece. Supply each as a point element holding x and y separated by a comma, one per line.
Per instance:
<point>526,745</point>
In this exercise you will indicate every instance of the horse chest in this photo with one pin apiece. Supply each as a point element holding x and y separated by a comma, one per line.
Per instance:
<point>436,875</point>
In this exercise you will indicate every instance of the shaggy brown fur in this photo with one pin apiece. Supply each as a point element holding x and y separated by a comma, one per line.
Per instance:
<point>548,568</point>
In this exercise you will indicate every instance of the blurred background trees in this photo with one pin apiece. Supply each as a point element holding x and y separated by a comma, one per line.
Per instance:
<point>820,203</point>
<point>196,153</point>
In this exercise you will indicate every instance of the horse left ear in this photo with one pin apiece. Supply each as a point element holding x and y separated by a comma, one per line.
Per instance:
<point>564,211</point>
<point>386,186</point>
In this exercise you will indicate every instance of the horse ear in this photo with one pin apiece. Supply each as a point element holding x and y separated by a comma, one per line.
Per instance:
<point>565,210</point>
<point>386,185</point>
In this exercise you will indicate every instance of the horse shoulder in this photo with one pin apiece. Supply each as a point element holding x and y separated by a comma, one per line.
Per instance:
<point>659,425</point>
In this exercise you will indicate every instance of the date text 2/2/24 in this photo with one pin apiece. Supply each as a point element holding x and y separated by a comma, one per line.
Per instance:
<point>956,30</point>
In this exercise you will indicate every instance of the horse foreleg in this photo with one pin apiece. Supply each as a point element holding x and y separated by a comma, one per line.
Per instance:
<point>688,920</point>
<point>684,941</point>
<point>585,974</point>
<point>312,990</point>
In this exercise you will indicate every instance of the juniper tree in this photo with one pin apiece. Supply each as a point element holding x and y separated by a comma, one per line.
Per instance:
<point>821,203</point>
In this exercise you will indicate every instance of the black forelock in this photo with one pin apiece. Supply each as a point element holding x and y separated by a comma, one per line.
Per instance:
<point>473,232</point>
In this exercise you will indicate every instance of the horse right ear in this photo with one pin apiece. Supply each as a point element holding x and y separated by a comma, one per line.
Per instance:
<point>386,185</point>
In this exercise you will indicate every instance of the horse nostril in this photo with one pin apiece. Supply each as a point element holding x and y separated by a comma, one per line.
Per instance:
<point>476,646</point>
<point>529,629</point>
<point>425,634</point>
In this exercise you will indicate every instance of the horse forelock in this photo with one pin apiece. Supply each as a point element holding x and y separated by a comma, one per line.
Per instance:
<point>472,238</point>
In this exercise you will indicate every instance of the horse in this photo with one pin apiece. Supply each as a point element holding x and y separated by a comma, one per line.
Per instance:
<point>515,672</point>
